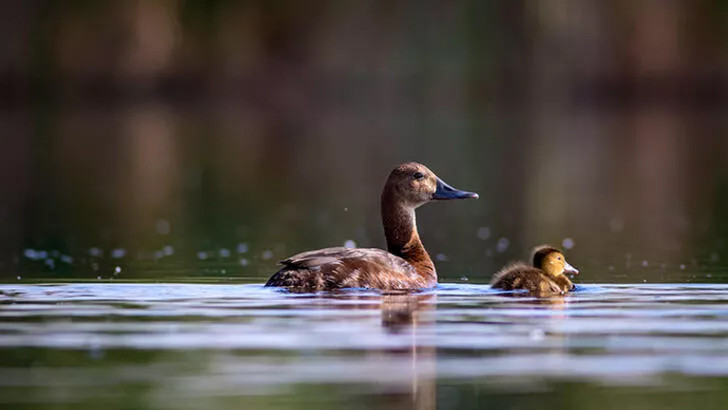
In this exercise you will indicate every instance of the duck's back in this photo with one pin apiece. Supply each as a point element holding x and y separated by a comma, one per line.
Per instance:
<point>336,268</point>
<point>521,276</point>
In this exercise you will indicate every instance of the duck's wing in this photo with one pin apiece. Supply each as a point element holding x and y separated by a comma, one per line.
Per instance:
<point>521,276</point>
<point>335,268</point>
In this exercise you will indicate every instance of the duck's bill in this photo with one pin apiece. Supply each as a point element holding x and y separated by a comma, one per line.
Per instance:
<point>445,191</point>
<point>570,269</point>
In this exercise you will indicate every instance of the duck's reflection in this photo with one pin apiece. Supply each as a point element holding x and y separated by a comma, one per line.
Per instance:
<point>406,320</point>
<point>401,311</point>
<point>524,299</point>
<point>410,315</point>
<point>406,323</point>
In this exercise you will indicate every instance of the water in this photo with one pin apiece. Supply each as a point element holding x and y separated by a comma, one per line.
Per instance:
<point>216,345</point>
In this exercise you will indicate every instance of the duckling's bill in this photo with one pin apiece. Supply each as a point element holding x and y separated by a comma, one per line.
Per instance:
<point>445,191</point>
<point>570,269</point>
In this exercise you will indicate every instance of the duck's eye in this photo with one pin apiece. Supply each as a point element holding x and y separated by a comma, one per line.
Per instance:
<point>418,175</point>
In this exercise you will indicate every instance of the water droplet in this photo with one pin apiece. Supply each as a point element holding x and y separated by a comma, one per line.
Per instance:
<point>243,262</point>
<point>267,254</point>
<point>349,244</point>
<point>96,352</point>
<point>242,247</point>
<point>50,263</point>
<point>117,270</point>
<point>616,224</point>
<point>483,233</point>
<point>644,280</point>
<point>682,266</point>
<point>223,271</point>
<point>34,255</point>
<point>202,255</point>
<point>502,245</point>
<point>611,267</point>
<point>95,252</point>
<point>645,263</point>
<point>98,278</point>
<point>537,334</point>
<point>224,253</point>
<point>441,257</point>
<point>168,250</point>
<point>346,209</point>
<point>158,255</point>
<point>66,259</point>
<point>464,278</point>
<point>568,243</point>
<point>709,275</point>
<point>118,253</point>
<point>163,227</point>
<point>19,278</point>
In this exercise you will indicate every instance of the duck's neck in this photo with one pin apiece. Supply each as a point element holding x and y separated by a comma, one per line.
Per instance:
<point>400,229</point>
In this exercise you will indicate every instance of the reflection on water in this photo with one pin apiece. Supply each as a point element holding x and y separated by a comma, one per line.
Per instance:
<point>197,345</point>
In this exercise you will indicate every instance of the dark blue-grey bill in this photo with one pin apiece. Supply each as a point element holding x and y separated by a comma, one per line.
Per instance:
<point>445,191</point>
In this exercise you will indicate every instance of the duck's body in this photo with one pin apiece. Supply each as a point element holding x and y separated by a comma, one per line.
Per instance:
<point>546,277</point>
<point>334,268</point>
<point>406,264</point>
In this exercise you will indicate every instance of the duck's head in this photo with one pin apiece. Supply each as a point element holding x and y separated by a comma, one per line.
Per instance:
<point>414,184</point>
<point>552,261</point>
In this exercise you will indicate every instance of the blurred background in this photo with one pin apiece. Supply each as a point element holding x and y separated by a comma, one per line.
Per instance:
<point>173,139</point>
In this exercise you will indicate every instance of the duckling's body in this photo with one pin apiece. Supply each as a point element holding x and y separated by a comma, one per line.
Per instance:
<point>406,264</point>
<point>546,277</point>
<point>565,284</point>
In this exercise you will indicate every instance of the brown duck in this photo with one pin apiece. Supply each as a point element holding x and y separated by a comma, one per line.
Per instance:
<point>547,276</point>
<point>404,265</point>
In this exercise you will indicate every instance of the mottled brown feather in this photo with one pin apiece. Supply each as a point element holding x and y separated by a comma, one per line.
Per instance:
<point>335,268</point>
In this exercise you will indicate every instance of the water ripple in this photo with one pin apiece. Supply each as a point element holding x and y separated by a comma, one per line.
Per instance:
<point>251,337</point>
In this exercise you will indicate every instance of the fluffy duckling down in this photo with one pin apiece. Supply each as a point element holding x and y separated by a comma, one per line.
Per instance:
<point>547,276</point>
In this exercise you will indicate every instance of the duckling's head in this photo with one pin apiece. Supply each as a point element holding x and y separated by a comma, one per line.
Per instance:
<point>552,261</point>
<point>414,184</point>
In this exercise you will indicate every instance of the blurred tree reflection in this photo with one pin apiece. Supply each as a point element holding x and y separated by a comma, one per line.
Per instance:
<point>274,123</point>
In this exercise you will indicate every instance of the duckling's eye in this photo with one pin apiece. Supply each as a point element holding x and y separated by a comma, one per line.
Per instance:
<point>559,258</point>
<point>418,175</point>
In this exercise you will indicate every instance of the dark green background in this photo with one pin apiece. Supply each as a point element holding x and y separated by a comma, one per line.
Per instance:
<point>275,123</point>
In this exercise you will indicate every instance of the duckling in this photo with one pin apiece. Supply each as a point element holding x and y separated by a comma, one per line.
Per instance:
<point>547,276</point>
<point>404,265</point>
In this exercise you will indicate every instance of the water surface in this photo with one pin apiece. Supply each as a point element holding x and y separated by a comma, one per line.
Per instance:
<point>194,345</point>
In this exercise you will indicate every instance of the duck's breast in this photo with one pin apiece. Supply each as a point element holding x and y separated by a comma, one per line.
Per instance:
<point>564,283</point>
